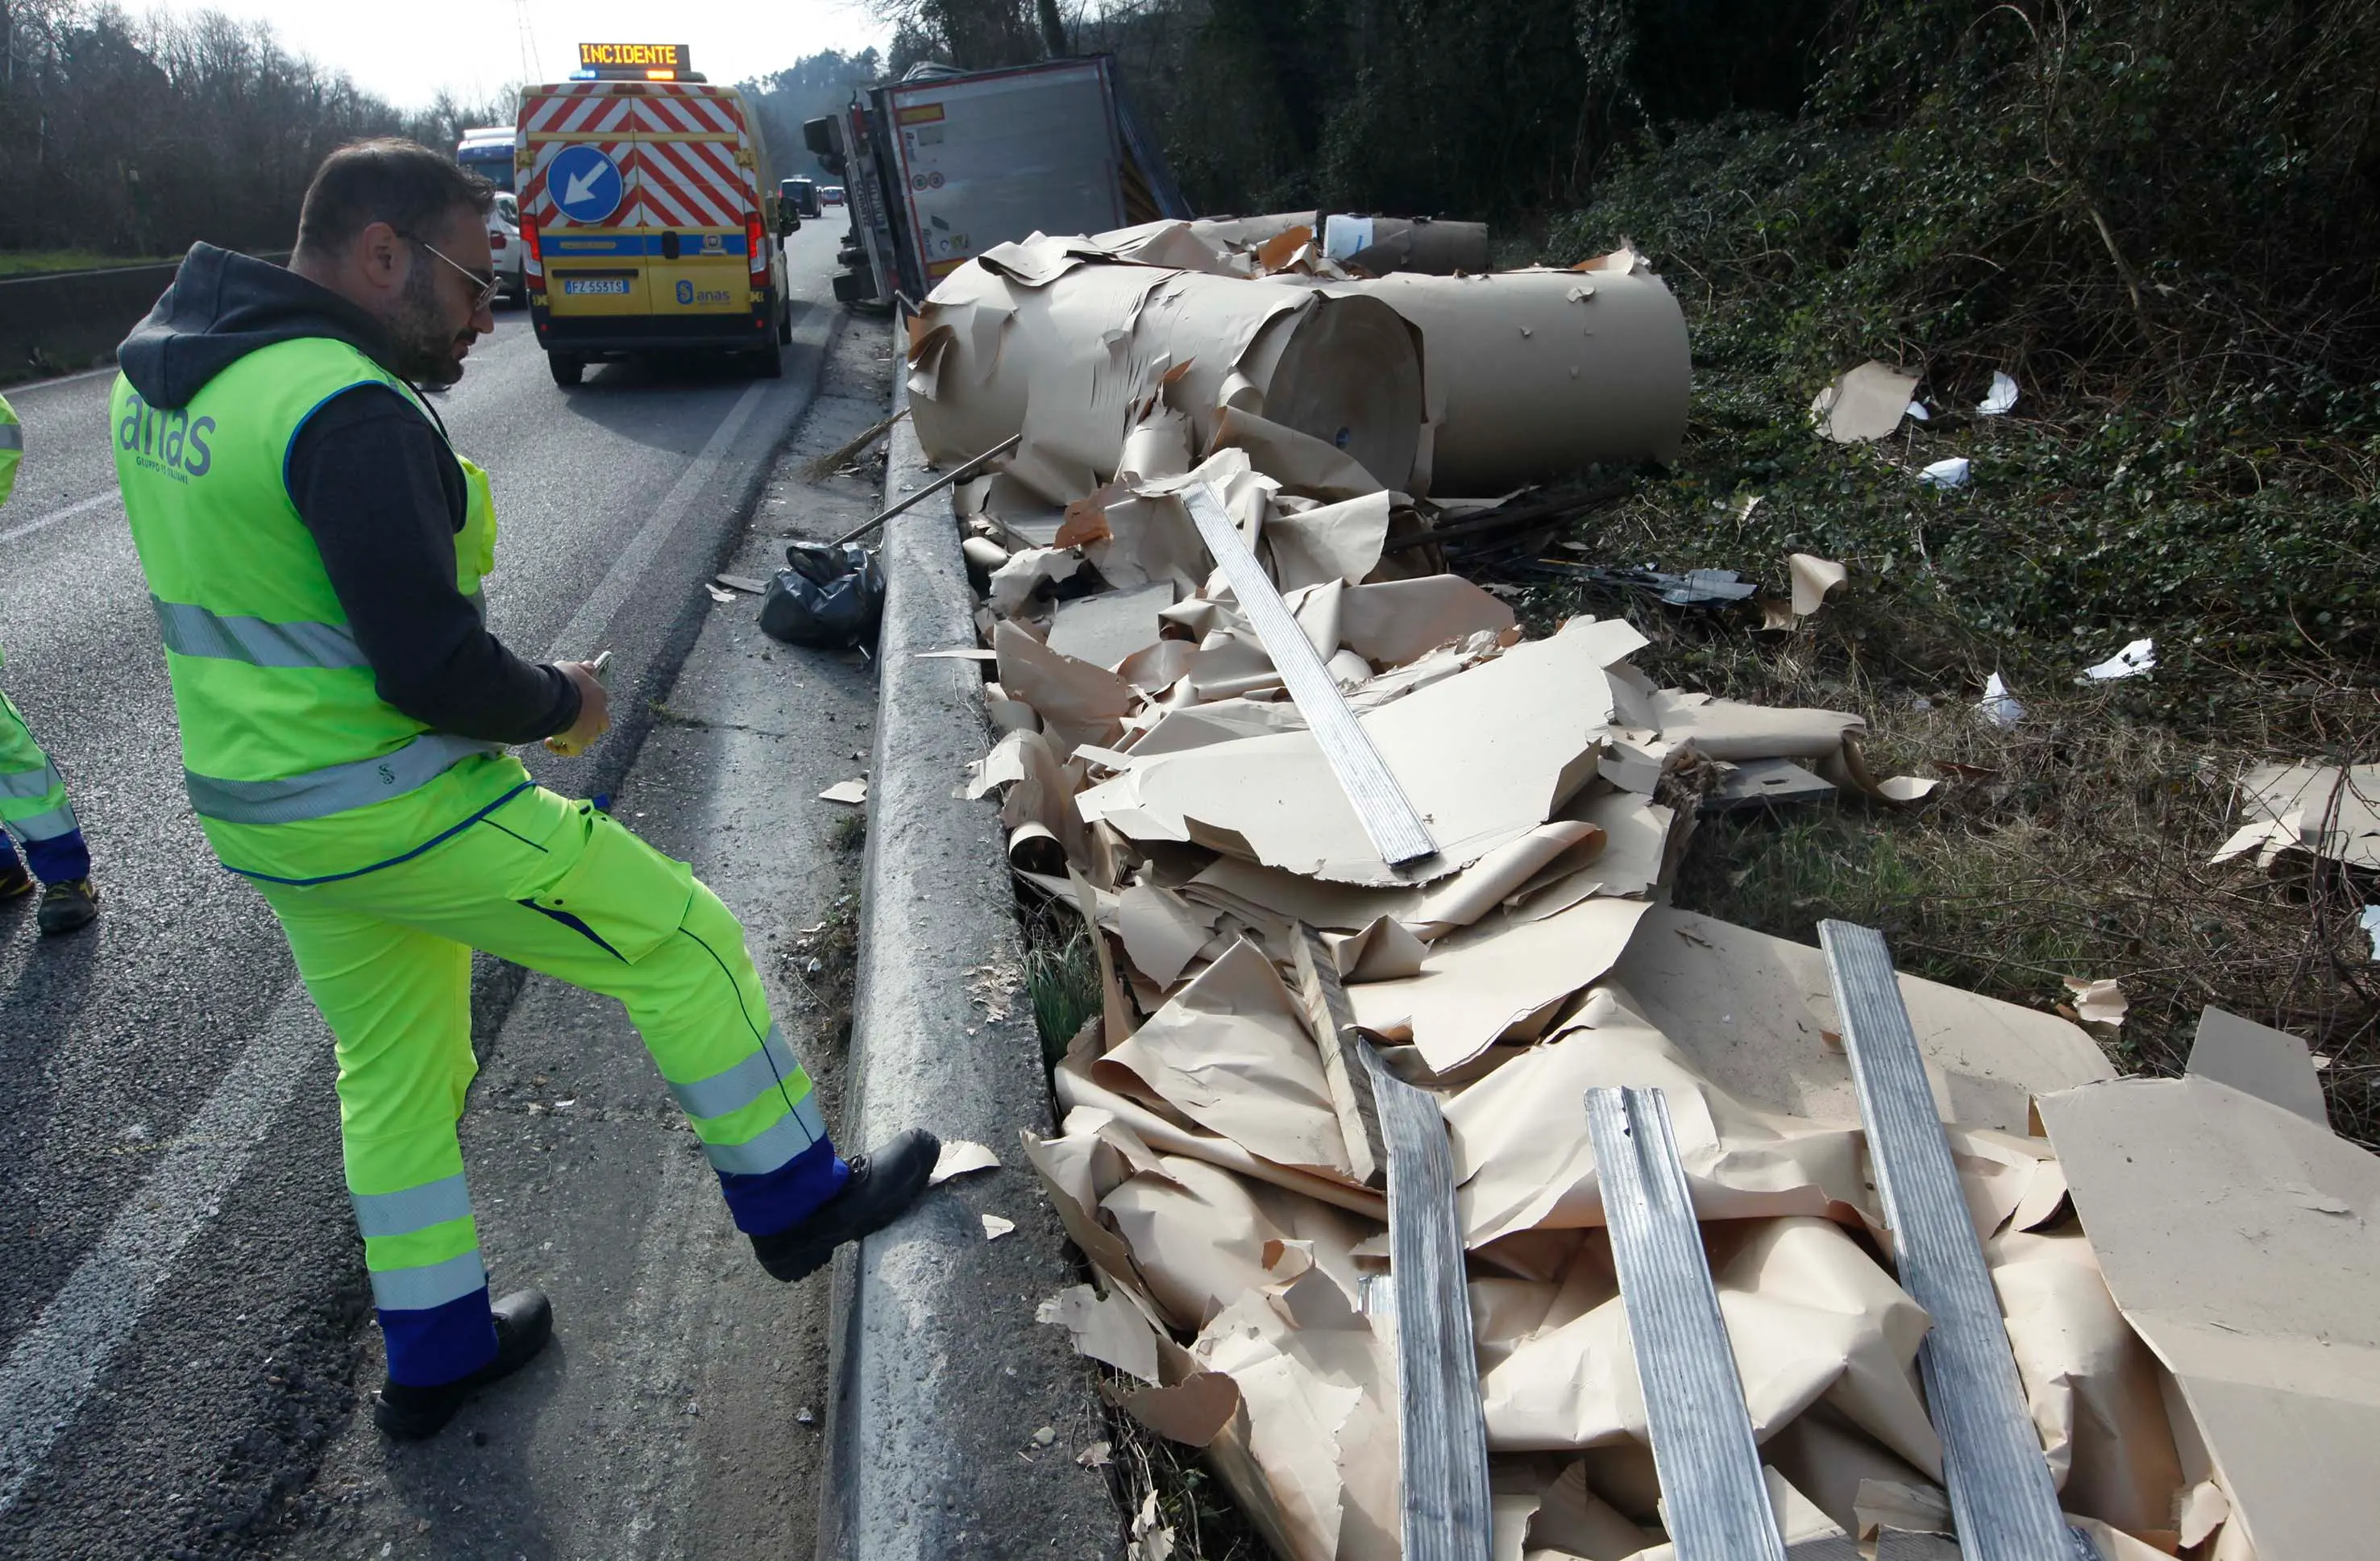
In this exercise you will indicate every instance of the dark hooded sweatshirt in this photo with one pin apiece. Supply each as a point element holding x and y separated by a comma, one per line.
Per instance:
<point>375,484</point>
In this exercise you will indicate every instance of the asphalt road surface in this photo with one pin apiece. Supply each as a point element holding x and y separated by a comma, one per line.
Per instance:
<point>185,1327</point>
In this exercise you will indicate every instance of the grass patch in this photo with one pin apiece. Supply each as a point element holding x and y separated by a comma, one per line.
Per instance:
<point>38,263</point>
<point>1061,974</point>
<point>850,833</point>
<point>822,964</point>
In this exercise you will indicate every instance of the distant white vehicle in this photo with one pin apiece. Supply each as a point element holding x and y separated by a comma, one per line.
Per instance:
<point>504,247</point>
<point>488,152</point>
<point>831,195</point>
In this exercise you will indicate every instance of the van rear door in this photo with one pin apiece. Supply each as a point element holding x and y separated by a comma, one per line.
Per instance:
<point>696,195</point>
<point>581,139</point>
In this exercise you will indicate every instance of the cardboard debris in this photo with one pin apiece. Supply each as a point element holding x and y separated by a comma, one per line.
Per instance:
<point>1864,405</point>
<point>2181,1264</point>
<point>855,790</point>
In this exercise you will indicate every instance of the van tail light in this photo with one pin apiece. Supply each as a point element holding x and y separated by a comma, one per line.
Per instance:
<point>755,250</point>
<point>533,258</point>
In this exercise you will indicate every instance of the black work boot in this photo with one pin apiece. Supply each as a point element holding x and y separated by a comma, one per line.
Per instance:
<point>68,906</point>
<point>16,880</point>
<point>524,1322</point>
<point>882,1186</point>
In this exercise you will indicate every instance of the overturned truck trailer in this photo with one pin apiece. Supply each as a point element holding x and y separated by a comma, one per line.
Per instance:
<point>946,164</point>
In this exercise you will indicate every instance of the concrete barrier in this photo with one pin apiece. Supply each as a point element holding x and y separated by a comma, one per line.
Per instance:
<point>954,1417</point>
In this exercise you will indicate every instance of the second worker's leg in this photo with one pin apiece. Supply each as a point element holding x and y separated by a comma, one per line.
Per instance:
<point>33,803</point>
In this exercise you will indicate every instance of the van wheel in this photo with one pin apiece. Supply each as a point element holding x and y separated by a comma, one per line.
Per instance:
<point>769,364</point>
<point>568,367</point>
<point>785,323</point>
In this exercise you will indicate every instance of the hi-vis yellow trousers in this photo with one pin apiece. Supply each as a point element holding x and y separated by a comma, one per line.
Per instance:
<point>554,885</point>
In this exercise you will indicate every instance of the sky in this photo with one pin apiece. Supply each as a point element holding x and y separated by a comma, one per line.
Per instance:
<point>476,48</point>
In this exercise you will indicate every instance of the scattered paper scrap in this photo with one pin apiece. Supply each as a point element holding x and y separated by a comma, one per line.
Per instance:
<point>957,1158</point>
<point>2097,1002</point>
<point>1106,1327</point>
<point>2136,660</point>
<point>2370,922</point>
<point>846,791</point>
<point>994,1227</point>
<point>1865,404</point>
<point>1998,705</point>
<point>1814,578</point>
<point>719,593</point>
<point>1950,472</point>
<point>744,582</point>
<point>2001,398</point>
<point>1099,1454</point>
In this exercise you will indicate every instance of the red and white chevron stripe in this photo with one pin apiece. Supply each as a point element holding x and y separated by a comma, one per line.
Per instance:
<point>690,184</point>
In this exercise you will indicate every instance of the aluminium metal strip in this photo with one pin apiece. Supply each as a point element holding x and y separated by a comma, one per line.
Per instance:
<point>1704,1451</point>
<point>1389,817</point>
<point>1442,1427</point>
<point>2002,1502</point>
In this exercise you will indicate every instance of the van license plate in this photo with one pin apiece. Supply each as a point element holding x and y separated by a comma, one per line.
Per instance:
<point>583,284</point>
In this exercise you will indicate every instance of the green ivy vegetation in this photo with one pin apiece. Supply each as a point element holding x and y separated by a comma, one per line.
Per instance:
<point>2160,219</point>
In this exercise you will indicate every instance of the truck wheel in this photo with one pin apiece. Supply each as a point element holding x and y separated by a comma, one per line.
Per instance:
<point>568,367</point>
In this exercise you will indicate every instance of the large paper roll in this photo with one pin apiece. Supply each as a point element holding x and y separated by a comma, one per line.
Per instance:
<point>1537,373</point>
<point>1064,361</point>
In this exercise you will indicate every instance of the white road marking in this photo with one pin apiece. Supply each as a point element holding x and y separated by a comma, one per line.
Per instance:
<point>56,1363</point>
<point>576,640</point>
<point>78,507</point>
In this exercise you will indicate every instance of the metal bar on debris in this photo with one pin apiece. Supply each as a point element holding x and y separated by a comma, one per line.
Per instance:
<point>1441,1429</point>
<point>1702,1446</point>
<point>956,474</point>
<point>2002,1502</point>
<point>1333,1020</point>
<point>1388,817</point>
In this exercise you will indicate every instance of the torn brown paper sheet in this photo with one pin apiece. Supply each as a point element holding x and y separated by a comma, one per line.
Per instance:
<point>1865,404</point>
<point>1485,756</point>
<point>1340,541</point>
<point>1014,583</point>
<point>2339,808</point>
<point>1757,1010</point>
<point>846,791</point>
<point>1077,702</point>
<point>1799,1520</point>
<point>1107,628</point>
<point>1814,577</point>
<point>2091,1383</point>
<point>1726,728</point>
<point>1809,1317</point>
<point>2269,1064</point>
<point>2241,1242</point>
<point>1395,621</point>
<point>1105,1328</point>
<point>1521,1161</point>
<point>1572,1519</point>
<point>1491,979</point>
<point>1162,932</point>
<point>1231,1052</point>
<point>957,1158</point>
<point>1196,1234</point>
<point>1078,1091</point>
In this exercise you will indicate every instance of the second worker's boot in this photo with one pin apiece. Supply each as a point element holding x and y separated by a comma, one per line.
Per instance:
<point>16,880</point>
<point>68,906</point>
<point>882,1186</point>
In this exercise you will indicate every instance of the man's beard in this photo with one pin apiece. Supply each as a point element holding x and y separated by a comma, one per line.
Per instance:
<point>422,349</point>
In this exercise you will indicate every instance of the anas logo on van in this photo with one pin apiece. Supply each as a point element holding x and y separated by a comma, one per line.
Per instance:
<point>688,293</point>
<point>170,441</point>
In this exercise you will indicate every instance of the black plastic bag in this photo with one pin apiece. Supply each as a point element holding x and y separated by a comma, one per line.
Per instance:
<point>831,596</point>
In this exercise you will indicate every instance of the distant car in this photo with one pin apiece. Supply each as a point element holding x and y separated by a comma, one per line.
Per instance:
<point>505,248</point>
<point>799,196</point>
<point>831,195</point>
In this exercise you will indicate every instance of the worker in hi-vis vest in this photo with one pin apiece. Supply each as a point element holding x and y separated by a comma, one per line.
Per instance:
<point>32,795</point>
<point>314,547</point>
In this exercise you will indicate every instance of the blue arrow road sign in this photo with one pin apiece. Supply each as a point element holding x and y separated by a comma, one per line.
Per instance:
<point>584,183</point>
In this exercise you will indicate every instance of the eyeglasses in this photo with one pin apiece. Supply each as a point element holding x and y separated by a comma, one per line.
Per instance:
<point>485,286</point>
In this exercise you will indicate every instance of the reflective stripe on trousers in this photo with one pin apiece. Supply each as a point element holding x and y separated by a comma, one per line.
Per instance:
<point>335,787</point>
<point>408,1212</point>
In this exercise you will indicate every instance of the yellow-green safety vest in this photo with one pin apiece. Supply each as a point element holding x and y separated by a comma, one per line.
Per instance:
<point>12,447</point>
<point>297,767</point>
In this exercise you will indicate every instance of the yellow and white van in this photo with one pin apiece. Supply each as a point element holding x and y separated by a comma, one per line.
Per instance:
<point>648,223</point>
